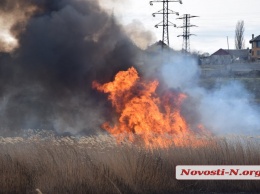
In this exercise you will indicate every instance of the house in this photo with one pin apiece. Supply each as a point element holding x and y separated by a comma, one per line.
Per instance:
<point>239,54</point>
<point>157,47</point>
<point>220,57</point>
<point>224,56</point>
<point>255,52</point>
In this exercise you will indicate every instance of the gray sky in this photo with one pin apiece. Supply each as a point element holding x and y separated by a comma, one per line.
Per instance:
<point>217,20</point>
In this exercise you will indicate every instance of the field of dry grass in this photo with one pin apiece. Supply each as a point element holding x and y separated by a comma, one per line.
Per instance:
<point>48,164</point>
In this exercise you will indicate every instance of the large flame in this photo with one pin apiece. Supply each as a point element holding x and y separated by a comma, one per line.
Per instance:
<point>144,116</point>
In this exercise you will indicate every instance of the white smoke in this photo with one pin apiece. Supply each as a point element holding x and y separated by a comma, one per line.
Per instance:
<point>226,109</point>
<point>180,72</point>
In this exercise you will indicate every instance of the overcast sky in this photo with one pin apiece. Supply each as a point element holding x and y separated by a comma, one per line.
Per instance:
<point>217,20</point>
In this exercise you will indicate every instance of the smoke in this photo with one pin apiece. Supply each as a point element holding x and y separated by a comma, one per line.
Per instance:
<point>180,72</point>
<point>134,29</point>
<point>228,110</point>
<point>63,45</point>
<point>225,109</point>
<point>139,35</point>
<point>13,17</point>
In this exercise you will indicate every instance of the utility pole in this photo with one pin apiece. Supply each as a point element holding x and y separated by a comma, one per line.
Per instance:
<point>227,43</point>
<point>165,23</point>
<point>186,31</point>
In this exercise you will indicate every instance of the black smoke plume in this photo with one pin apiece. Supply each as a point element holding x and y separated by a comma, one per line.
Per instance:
<point>46,82</point>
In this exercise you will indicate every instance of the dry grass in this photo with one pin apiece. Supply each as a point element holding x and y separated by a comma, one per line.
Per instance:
<point>47,164</point>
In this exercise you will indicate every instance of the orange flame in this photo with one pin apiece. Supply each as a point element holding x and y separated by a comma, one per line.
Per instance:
<point>142,114</point>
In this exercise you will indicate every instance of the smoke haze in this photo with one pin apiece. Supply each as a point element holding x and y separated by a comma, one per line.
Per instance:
<point>225,109</point>
<point>63,46</point>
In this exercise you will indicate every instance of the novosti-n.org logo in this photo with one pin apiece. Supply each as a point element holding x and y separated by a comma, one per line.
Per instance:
<point>217,172</point>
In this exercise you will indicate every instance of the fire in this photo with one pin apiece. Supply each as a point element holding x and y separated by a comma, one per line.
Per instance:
<point>143,115</point>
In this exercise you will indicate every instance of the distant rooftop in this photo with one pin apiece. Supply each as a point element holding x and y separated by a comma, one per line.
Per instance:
<point>157,46</point>
<point>256,39</point>
<point>221,52</point>
<point>242,53</point>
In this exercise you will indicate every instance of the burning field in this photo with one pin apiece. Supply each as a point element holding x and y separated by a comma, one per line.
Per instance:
<point>100,165</point>
<point>110,117</point>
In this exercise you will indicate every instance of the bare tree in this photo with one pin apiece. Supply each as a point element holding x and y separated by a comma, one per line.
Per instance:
<point>239,35</point>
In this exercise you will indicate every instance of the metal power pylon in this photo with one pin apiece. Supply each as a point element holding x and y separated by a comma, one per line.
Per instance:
<point>186,31</point>
<point>165,23</point>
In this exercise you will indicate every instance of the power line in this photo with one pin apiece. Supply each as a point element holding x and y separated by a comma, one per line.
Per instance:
<point>186,31</point>
<point>165,23</point>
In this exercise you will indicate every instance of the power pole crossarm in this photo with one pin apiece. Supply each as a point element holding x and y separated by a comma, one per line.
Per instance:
<point>165,23</point>
<point>156,1</point>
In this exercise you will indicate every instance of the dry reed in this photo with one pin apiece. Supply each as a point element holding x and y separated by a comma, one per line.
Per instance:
<point>48,164</point>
